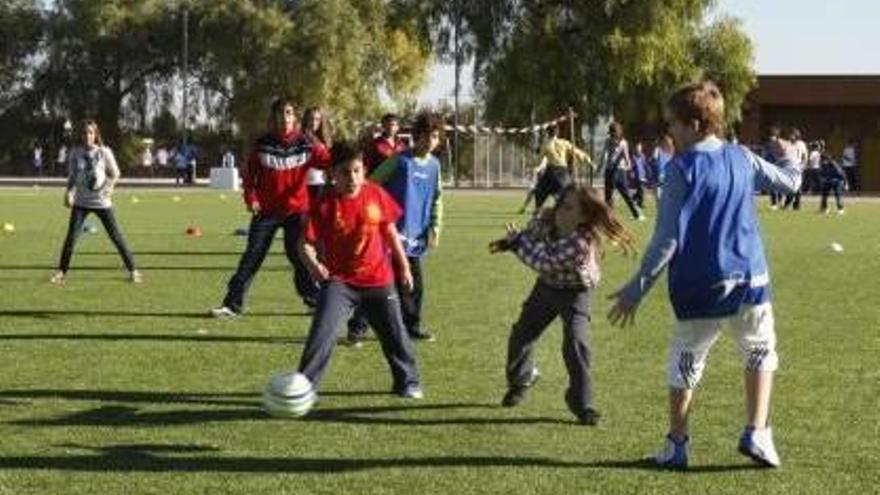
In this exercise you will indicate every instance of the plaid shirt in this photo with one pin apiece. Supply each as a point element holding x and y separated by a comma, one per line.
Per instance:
<point>567,262</point>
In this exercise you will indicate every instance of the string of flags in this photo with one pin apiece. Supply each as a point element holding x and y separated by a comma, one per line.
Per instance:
<point>475,129</point>
<point>479,129</point>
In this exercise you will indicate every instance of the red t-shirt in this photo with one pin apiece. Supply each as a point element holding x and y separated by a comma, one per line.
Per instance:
<point>349,233</point>
<point>380,150</point>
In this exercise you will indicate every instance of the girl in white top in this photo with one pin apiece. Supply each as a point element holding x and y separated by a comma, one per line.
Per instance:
<point>92,175</point>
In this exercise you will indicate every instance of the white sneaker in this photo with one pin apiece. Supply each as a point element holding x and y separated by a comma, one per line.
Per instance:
<point>758,445</point>
<point>674,454</point>
<point>224,312</point>
<point>841,211</point>
<point>136,277</point>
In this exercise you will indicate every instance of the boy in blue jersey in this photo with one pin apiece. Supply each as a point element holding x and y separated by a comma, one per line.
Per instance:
<point>413,179</point>
<point>707,233</point>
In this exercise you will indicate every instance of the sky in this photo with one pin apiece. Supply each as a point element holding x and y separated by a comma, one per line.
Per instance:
<point>790,37</point>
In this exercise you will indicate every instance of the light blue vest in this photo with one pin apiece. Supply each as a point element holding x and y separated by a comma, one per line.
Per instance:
<point>414,186</point>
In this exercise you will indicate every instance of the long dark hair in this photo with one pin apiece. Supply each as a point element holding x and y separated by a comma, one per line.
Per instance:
<point>599,219</point>
<point>91,123</point>
<point>323,133</point>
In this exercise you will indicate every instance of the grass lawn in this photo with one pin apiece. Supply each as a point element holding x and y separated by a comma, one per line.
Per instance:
<point>109,387</point>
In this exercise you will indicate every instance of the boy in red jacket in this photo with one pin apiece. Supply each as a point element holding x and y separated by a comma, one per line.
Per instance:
<point>274,181</point>
<point>353,227</point>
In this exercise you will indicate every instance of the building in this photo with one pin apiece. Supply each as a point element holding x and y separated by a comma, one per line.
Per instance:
<point>830,107</point>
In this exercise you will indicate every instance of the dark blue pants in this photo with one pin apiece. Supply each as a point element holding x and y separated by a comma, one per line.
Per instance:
<point>74,229</point>
<point>410,304</point>
<point>539,310</point>
<point>381,307</point>
<point>835,187</point>
<point>615,180</point>
<point>260,235</point>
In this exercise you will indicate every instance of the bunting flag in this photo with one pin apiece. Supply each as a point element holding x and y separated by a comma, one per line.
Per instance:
<point>479,129</point>
<point>473,129</point>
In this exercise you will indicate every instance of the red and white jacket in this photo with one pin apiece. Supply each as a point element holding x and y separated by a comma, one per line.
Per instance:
<point>274,177</point>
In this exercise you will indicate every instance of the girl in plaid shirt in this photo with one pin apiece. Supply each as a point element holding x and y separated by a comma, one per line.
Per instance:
<point>562,244</point>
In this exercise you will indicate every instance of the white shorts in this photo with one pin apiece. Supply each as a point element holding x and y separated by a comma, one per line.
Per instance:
<point>754,333</point>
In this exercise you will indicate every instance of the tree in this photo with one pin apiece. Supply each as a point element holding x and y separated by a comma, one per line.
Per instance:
<point>610,57</point>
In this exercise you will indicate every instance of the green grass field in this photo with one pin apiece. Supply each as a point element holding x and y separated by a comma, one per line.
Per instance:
<point>109,387</point>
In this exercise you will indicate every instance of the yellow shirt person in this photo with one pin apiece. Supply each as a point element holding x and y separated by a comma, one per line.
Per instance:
<point>555,150</point>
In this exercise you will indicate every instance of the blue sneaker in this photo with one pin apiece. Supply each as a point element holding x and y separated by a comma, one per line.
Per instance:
<point>674,454</point>
<point>758,445</point>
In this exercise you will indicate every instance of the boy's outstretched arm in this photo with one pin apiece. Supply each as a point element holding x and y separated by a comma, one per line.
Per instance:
<point>783,176</point>
<point>660,250</point>
<point>385,171</point>
<point>309,255</point>
<point>398,255</point>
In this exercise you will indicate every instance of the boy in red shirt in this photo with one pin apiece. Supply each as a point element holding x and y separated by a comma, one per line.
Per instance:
<point>353,227</point>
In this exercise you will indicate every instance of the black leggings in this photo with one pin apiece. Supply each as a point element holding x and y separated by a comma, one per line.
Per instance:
<point>614,180</point>
<point>74,229</point>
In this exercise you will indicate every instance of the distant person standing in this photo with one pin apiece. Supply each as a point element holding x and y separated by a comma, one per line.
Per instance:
<point>386,144</point>
<point>814,165</point>
<point>92,175</point>
<point>147,161</point>
<point>617,163</point>
<point>162,159</point>
<point>832,178</point>
<point>639,175</point>
<point>228,160</point>
<point>318,132</point>
<point>60,158</point>
<point>663,153</point>
<point>850,165</point>
<point>37,159</point>
<point>181,163</point>
<point>801,156</point>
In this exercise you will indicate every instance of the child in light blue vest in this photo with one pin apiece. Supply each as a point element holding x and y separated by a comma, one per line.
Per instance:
<point>413,179</point>
<point>707,233</point>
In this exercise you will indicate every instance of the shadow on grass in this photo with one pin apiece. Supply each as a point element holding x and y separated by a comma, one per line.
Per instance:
<point>199,315</point>
<point>162,458</point>
<point>222,339</point>
<point>131,415</point>
<point>194,458</point>
<point>218,399</point>
<point>145,268</point>
<point>169,253</point>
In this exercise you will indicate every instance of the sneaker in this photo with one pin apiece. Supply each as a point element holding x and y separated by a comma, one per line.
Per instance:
<point>135,277</point>
<point>224,312</point>
<point>411,391</point>
<point>517,393</point>
<point>774,207</point>
<point>841,211</point>
<point>674,454</point>
<point>58,278</point>
<point>422,334</point>
<point>589,417</point>
<point>641,218</point>
<point>758,445</point>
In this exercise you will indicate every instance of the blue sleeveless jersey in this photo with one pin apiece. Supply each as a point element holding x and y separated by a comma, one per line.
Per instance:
<point>719,263</point>
<point>414,187</point>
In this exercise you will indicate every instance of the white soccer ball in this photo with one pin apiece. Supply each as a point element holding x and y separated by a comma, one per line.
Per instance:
<point>836,247</point>
<point>289,394</point>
